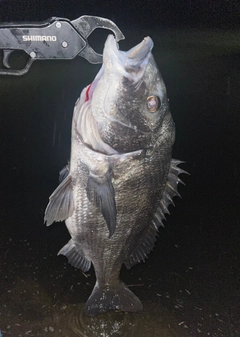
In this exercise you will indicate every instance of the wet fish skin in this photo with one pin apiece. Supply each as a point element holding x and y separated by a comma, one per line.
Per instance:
<point>121,178</point>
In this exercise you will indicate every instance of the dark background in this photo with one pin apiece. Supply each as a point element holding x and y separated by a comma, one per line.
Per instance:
<point>197,51</point>
<point>167,13</point>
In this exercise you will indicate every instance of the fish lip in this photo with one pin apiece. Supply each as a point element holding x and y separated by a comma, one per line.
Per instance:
<point>141,50</point>
<point>133,59</point>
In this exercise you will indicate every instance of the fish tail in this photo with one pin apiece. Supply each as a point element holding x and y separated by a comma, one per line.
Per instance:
<point>107,298</point>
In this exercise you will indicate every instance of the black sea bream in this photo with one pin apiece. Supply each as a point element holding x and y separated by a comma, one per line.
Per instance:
<point>121,177</point>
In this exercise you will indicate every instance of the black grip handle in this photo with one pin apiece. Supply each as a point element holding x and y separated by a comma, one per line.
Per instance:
<point>17,72</point>
<point>58,39</point>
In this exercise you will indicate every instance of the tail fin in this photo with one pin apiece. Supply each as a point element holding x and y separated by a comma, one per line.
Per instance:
<point>112,298</point>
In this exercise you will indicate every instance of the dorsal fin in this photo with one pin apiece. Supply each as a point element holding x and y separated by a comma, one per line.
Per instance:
<point>169,192</point>
<point>148,241</point>
<point>144,248</point>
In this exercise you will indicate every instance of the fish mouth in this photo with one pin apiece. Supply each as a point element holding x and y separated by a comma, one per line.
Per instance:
<point>131,63</point>
<point>140,52</point>
<point>99,112</point>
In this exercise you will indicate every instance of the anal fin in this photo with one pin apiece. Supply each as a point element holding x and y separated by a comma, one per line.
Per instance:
<point>75,257</point>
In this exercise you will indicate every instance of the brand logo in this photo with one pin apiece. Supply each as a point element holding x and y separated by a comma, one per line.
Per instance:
<point>40,38</point>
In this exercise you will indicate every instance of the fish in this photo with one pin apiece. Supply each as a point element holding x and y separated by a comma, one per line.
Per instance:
<point>121,177</point>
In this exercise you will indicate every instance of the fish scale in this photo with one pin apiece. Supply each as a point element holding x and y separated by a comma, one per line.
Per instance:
<point>121,177</point>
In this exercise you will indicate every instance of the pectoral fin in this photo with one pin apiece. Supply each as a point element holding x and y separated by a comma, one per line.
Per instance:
<point>100,192</point>
<point>60,206</point>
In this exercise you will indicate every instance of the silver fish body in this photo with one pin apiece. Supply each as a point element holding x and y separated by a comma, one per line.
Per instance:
<point>121,177</point>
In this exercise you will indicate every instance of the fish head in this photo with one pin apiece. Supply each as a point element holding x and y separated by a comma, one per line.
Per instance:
<point>128,99</point>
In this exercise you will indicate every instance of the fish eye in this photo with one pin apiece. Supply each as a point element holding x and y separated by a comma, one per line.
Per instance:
<point>153,103</point>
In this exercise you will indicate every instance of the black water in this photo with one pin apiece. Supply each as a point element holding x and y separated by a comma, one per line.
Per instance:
<point>190,285</point>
